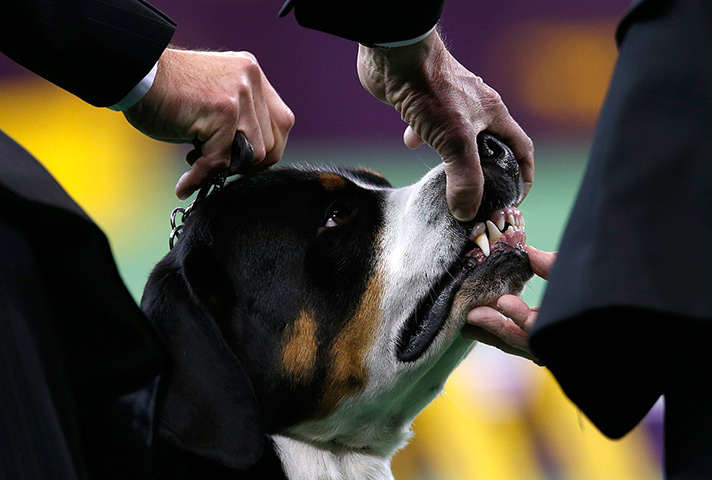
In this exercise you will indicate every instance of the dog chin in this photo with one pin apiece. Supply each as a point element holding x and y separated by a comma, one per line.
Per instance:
<point>494,264</point>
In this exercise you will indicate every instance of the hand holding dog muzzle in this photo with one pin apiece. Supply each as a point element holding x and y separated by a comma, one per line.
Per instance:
<point>507,323</point>
<point>445,106</point>
<point>209,96</point>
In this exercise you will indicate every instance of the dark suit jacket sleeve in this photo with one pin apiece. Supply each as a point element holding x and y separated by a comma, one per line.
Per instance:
<point>96,49</point>
<point>367,21</point>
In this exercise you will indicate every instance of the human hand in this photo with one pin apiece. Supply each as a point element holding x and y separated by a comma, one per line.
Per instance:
<point>445,106</point>
<point>209,96</point>
<point>506,324</point>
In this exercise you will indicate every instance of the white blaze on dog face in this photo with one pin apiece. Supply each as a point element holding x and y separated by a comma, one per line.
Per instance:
<point>420,240</point>
<point>428,282</point>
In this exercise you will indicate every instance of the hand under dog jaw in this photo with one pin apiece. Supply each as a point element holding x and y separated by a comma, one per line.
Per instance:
<point>506,323</point>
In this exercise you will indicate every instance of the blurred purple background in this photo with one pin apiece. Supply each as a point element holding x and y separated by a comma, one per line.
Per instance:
<point>535,54</point>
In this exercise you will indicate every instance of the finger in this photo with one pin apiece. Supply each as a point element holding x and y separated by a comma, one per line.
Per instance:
<point>541,261</point>
<point>275,154</point>
<point>216,156</point>
<point>411,139</point>
<point>465,184</point>
<point>509,131</point>
<point>249,124</point>
<point>191,181</point>
<point>263,118</point>
<point>282,121</point>
<point>499,325</point>
<point>518,311</point>
<point>483,336</point>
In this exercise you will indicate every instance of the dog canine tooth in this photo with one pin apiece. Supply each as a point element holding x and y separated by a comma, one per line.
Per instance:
<point>483,242</point>
<point>493,231</point>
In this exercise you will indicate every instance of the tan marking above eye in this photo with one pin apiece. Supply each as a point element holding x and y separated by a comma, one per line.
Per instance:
<point>347,374</point>
<point>374,173</point>
<point>300,348</point>
<point>331,182</point>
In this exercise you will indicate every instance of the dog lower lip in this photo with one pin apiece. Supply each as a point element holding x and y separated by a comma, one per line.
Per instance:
<point>504,229</point>
<point>423,326</point>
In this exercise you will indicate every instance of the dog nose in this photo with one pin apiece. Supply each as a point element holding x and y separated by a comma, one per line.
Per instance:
<point>501,172</point>
<point>494,151</point>
<point>502,184</point>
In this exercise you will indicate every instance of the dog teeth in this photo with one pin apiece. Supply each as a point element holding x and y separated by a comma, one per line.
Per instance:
<point>500,221</point>
<point>483,242</point>
<point>478,230</point>
<point>493,232</point>
<point>507,221</point>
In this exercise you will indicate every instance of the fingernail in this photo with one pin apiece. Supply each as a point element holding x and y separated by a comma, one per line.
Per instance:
<point>462,216</point>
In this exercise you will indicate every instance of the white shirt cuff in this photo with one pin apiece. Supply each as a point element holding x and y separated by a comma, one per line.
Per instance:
<point>403,43</point>
<point>137,93</point>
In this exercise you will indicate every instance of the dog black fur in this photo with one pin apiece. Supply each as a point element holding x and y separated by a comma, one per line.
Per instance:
<point>265,281</point>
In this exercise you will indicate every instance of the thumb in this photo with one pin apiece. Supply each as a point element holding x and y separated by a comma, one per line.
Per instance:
<point>216,157</point>
<point>465,185</point>
<point>541,261</point>
<point>411,139</point>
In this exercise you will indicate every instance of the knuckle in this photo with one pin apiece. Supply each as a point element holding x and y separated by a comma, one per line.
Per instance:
<point>250,58</point>
<point>491,99</point>
<point>250,65</point>
<point>260,152</point>
<point>227,106</point>
<point>285,120</point>
<point>212,163</point>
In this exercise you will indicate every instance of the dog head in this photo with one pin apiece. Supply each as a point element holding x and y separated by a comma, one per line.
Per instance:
<point>323,305</point>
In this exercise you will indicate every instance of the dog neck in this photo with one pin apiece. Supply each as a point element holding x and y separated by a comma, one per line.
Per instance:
<point>303,460</point>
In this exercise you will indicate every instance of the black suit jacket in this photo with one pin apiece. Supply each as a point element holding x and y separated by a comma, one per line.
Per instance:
<point>367,21</point>
<point>97,50</point>
<point>628,308</point>
<point>78,361</point>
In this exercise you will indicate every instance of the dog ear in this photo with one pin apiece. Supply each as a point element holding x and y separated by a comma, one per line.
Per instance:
<point>208,406</point>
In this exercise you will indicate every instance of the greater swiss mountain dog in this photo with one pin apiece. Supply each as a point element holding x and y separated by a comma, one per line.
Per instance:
<point>311,312</point>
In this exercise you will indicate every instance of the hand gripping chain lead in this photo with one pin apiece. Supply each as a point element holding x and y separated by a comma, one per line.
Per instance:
<point>241,156</point>
<point>215,184</point>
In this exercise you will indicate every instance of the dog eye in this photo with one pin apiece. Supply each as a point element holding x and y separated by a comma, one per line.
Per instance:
<point>337,216</point>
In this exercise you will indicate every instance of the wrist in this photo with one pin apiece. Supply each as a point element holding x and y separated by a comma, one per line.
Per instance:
<point>403,43</point>
<point>385,71</point>
<point>137,93</point>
